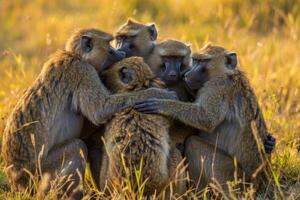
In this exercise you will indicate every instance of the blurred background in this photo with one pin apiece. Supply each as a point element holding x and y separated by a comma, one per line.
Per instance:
<point>265,34</point>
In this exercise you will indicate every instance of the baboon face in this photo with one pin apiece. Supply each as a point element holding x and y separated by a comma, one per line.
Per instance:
<point>210,62</point>
<point>94,47</point>
<point>130,74</point>
<point>136,39</point>
<point>175,59</point>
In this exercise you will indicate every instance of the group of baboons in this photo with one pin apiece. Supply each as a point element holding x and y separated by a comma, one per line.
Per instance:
<point>152,111</point>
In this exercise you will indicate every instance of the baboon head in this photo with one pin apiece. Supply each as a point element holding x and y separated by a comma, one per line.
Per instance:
<point>210,62</point>
<point>130,74</point>
<point>93,46</point>
<point>174,59</point>
<point>136,39</point>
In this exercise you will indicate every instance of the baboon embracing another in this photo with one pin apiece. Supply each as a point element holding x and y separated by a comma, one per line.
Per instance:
<point>168,60</point>
<point>43,129</point>
<point>135,139</point>
<point>227,113</point>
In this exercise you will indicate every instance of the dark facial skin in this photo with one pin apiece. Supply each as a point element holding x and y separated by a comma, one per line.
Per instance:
<point>126,44</point>
<point>112,56</point>
<point>171,69</point>
<point>126,75</point>
<point>197,75</point>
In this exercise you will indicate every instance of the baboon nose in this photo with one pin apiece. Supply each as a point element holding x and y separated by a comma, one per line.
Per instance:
<point>122,54</point>
<point>173,74</point>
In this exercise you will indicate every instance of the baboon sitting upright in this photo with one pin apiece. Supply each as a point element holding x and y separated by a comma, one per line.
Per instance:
<point>136,139</point>
<point>227,113</point>
<point>43,130</point>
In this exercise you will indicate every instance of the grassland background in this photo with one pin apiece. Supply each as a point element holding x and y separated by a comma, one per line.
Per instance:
<point>265,34</point>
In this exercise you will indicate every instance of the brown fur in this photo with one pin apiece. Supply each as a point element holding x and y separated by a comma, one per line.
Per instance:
<point>224,110</point>
<point>174,48</point>
<point>153,55</point>
<point>47,121</point>
<point>139,36</point>
<point>139,137</point>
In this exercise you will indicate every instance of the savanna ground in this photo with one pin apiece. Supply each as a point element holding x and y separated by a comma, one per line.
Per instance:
<point>265,34</point>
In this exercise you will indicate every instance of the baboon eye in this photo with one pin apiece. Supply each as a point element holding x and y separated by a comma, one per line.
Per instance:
<point>195,61</point>
<point>203,69</point>
<point>132,36</point>
<point>182,68</point>
<point>204,60</point>
<point>163,68</point>
<point>86,44</point>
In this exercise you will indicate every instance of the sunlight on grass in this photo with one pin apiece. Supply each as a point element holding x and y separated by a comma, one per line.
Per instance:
<point>265,35</point>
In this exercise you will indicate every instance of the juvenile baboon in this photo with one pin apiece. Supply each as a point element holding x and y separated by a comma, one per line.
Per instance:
<point>138,139</point>
<point>226,111</point>
<point>44,127</point>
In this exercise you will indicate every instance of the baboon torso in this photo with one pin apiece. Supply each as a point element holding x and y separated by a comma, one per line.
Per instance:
<point>140,138</point>
<point>136,141</point>
<point>236,134</point>
<point>35,118</point>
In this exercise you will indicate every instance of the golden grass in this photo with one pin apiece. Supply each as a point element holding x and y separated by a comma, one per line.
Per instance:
<point>265,34</point>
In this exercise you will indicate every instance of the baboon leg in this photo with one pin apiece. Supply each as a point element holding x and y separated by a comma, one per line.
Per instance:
<point>176,171</point>
<point>208,163</point>
<point>95,145</point>
<point>66,164</point>
<point>94,159</point>
<point>104,171</point>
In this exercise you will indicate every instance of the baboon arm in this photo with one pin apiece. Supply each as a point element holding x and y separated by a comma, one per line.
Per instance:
<point>206,113</point>
<point>94,101</point>
<point>200,115</point>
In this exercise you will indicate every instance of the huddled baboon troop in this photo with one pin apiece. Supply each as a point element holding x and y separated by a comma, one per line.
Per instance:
<point>145,104</point>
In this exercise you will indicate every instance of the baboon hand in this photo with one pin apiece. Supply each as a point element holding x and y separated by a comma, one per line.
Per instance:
<point>149,106</point>
<point>165,94</point>
<point>270,144</point>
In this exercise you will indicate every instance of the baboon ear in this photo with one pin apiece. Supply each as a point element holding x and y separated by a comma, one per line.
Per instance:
<point>231,60</point>
<point>153,31</point>
<point>86,43</point>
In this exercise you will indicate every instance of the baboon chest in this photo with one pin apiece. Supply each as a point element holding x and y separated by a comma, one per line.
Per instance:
<point>67,125</point>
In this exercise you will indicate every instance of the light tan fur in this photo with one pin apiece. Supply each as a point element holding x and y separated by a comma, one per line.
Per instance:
<point>139,36</point>
<point>138,138</point>
<point>47,121</point>
<point>225,110</point>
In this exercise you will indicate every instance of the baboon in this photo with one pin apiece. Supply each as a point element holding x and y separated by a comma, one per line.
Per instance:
<point>42,132</point>
<point>226,111</point>
<point>167,59</point>
<point>136,39</point>
<point>140,141</point>
<point>169,49</point>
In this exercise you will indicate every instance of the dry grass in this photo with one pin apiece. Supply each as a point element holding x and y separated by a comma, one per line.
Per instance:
<point>265,35</point>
